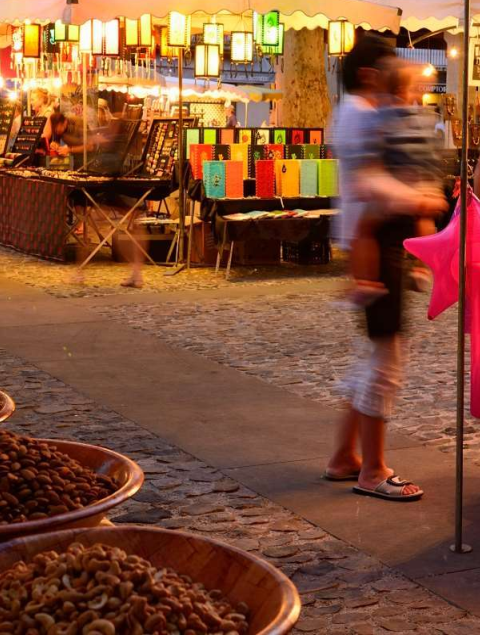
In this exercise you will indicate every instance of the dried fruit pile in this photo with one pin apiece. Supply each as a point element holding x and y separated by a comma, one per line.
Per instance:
<point>99,590</point>
<point>37,481</point>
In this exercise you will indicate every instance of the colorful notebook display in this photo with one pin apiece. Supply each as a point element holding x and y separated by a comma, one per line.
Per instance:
<point>279,136</point>
<point>245,135</point>
<point>309,178</point>
<point>192,138</point>
<point>311,151</point>
<point>241,152</point>
<point>210,136</point>
<point>199,153</point>
<point>316,136</point>
<point>227,136</point>
<point>294,152</point>
<point>274,151</point>
<point>288,177</point>
<point>221,152</point>
<point>298,137</point>
<point>265,183</point>
<point>262,137</point>
<point>328,177</point>
<point>234,179</point>
<point>214,173</point>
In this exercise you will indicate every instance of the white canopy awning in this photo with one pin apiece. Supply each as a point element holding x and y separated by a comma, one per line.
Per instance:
<point>435,14</point>
<point>296,14</point>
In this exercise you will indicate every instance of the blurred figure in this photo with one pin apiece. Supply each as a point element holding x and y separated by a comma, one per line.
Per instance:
<point>104,114</point>
<point>365,183</point>
<point>407,147</point>
<point>67,137</point>
<point>230,117</point>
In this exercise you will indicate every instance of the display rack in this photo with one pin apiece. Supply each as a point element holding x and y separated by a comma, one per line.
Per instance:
<point>7,114</point>
<point>29,136</point>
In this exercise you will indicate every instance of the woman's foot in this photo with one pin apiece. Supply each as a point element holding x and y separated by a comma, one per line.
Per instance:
<point>133,282</point>
<point>343,467</point>
<point>393,488</point>
<point>370,481</point>
<point>420,280</point>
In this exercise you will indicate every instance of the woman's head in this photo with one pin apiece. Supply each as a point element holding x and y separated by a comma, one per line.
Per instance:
<point>40,98</point>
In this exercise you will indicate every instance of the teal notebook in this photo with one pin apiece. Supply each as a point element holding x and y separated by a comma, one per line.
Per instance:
<point>309,178</point>
<point>214,178</point>
<point>328,177</point>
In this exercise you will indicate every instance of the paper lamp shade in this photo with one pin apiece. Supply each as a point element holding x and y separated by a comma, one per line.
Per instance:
<point>131,32</point>
<point>146,30</point>
<point>165,49</point>
<point>270,28</point>
<point>66,32</point>
<point>179,29</point>
<point>111,38</point>
<point>242,47</point>
<point>257,27</point>
<point>341,37</point>
<point>280,47</point>
<point>207,60</point>
<point>214,34</point>
<point>91,37</point>
<point>32,38</point>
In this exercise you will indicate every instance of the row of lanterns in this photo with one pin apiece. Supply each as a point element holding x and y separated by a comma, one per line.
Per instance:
<point>104,39</point>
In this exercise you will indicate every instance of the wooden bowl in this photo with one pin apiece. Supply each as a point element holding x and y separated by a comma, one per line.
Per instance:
<point>272,598</point>
<point>7,406</point>
<point>127,474</point>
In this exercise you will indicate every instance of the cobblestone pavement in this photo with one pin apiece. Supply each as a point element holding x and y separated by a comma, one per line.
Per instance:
<point>103,277</point>
<point>306,344</point>
<point>344,591</point>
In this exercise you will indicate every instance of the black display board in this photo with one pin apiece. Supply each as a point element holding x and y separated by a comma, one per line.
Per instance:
<point>161,149</point>
<point>114,146</point>
<point>29,135</point>
<point>7,113</point>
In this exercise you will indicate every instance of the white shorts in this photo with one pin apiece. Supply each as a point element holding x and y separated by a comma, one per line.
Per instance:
<point>376,380</point>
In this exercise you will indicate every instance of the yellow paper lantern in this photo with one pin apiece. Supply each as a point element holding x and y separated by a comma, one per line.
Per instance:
<point>214,34</point>
<point>91,37</point>
<point>146,30</point>
<point>66,32</point>
<point>131,32</point>
<point>341,37</point>
<point>165,50</point>
<point>179,29</point>
<point>32,39</point>
<point>242,47</point>
<point>207,60</point>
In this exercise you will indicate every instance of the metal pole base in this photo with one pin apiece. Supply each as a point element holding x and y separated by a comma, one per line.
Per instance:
<point>464,549</point>
<point>174,271</point>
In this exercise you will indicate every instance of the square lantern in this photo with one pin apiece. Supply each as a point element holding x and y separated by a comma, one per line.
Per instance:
<point>214,34</point>
<point>279,49</point>
<point>111,38</point>
<point>91,37</point>
<point>32,40</point>
<point>270,29</point>
<point>242,47</point>
<point>145,30</point>
<point>341,37</point>
<point>257,27</point>
<point>132,36</point>
<point>165,49</point>
<point>66,32</point>
<point>207,60</point>
<point>179,29</point>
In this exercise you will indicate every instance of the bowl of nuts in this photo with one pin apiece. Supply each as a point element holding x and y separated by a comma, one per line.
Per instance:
<point>47,484</point>
<point>138,580</point>
<point>7,406</point>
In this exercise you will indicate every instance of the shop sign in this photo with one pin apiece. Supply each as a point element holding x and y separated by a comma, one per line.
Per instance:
<point>436,89</point>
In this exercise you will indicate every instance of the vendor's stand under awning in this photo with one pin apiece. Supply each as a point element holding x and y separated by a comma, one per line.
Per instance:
<point>296,15</point>
<point>435,15</point>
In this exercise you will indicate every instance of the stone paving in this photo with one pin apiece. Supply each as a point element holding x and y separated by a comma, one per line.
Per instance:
<point>344,591</point>
<point>103,277</point>
<point>307,343</point>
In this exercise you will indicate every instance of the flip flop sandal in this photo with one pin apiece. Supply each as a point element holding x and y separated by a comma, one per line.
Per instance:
<point>348,477</point>
<point>390,489</point>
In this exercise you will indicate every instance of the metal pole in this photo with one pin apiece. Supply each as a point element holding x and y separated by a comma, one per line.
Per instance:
<point>459,547</point>
<point>84,108</point>
<point>181,189</point>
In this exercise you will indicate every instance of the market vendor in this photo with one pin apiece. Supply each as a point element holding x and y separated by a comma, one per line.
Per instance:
<point>67,136</point>
<point>230,116</point>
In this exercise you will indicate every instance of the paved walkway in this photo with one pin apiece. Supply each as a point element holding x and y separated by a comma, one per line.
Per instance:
<point>213,437</point>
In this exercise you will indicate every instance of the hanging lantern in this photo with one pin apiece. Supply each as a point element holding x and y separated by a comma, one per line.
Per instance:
<point>257,27</point>
<point>341,37</point>
<point>145,30</point>
<point>207,60</point>
<point>242,47</point>
<point>66,32</point>
<point>214,34</point>
<point>32,40</point>
<point>179,29</point>
<point>91,37</point>
<point>165,49</point>
<point>270,29</point>
<point>279,49</point>
<point>111,38</point>
<point>131,32</point>
<point>17,46</point>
